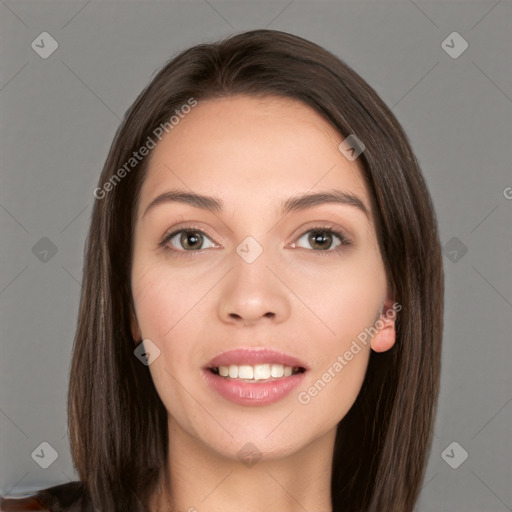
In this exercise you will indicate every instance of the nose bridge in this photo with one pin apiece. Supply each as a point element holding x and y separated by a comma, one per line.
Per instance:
<point>252,291</point>
<point>250,250</point>
<point>250,275</point>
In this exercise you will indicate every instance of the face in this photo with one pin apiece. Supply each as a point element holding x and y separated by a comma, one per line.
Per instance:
<point>241,290</point>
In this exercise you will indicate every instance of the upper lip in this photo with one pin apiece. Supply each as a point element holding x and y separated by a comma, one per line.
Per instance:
<point>252,356</point>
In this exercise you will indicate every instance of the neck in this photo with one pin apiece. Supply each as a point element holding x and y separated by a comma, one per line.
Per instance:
<point>200,479</point>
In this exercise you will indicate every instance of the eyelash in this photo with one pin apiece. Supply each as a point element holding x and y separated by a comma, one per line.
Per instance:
<point>344,240</point>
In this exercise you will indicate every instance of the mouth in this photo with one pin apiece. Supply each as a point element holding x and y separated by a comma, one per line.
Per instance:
<point>256,373</point>
<point>254,376</point>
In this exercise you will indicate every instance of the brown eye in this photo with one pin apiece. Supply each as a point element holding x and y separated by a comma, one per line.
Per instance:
<point>323,239</point>
<point>320,240</point>
<point>191,240</point>
<point>187,240</point>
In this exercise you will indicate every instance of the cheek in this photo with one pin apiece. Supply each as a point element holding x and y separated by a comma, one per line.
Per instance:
<point>327,398</point>
<point>162,299</point>
<point>151,305</point>
<point>170,306</point>
<point>345,300</point>
<point>165,311</point>
<point>342,350</point>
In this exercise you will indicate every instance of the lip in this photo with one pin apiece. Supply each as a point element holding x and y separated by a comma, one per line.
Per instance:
<point>255,356</point>
<point>257,393</point>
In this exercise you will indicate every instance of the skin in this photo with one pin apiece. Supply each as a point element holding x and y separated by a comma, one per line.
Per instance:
<point>253,153</point>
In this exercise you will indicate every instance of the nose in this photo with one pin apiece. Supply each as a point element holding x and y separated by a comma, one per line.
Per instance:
<point>252,293</point>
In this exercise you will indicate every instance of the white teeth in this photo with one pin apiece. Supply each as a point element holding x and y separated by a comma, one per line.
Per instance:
<point>261,371</point>
<point>245,372</point>
<point>277,370</point>
<point>255,372</point>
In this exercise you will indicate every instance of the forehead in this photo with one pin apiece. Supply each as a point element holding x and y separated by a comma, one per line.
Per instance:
<point>242,148</point>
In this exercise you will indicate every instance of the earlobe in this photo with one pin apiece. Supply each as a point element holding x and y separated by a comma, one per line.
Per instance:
<point>385,325</point>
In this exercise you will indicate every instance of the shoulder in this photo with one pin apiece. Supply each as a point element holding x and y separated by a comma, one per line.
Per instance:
<point>69,497</point>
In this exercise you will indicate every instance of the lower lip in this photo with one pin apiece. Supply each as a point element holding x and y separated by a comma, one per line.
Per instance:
<point>252,393</point>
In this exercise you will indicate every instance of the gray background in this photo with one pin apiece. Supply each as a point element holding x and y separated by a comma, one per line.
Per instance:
<point>58,118</point>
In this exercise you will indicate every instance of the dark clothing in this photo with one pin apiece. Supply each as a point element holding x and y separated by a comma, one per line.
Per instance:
<point>70,497</point>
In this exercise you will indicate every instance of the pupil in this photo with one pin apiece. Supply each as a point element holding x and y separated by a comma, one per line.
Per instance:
<point>320,238</point>
<point>190,239</point>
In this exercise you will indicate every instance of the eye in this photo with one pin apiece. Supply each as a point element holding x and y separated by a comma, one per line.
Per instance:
<point>322,239</point>
<point>187,240</point>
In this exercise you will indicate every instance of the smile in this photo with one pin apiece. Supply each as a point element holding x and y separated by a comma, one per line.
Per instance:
<point>258,372</point>
<point>255,377</point>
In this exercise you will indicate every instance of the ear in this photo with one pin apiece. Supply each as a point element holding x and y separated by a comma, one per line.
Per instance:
<point>385,325</point>
<point>134,326</point>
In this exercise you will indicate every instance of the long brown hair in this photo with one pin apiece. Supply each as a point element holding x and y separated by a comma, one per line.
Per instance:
<point>117,422</point>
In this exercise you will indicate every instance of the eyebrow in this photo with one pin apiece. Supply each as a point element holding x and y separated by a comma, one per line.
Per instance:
<point>292,204</point>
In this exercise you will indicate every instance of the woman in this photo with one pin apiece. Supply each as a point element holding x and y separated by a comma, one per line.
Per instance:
<point>261,315</point>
